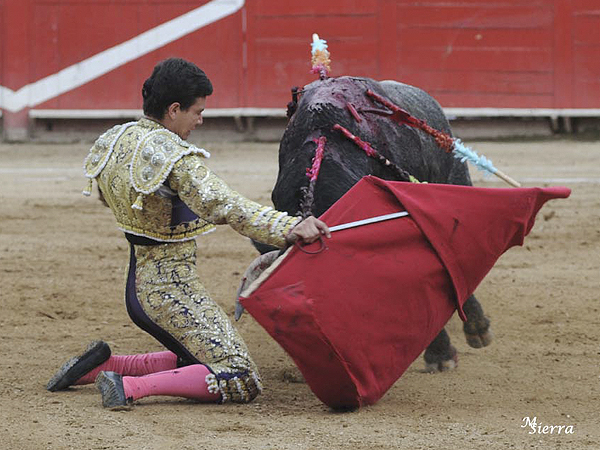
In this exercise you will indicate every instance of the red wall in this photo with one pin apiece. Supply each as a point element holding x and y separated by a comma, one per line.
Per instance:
<point>472,53</point>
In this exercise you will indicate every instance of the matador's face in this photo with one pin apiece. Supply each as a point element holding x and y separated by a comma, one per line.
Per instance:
<point>185,120</point>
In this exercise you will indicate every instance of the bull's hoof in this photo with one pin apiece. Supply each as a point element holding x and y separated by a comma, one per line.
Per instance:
<point>478,332</point>
<point>480,340</point>
<point>436,362</point>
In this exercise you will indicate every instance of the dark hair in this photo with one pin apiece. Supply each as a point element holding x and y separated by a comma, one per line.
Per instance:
<point>174,80</point>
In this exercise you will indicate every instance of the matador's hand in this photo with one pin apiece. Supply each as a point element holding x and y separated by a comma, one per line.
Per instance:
<point>308,231</point>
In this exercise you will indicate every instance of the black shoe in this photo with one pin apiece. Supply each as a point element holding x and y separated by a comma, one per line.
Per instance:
<point>110,385</point>
<point>95,354</point>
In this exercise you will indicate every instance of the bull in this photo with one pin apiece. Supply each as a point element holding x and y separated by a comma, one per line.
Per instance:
<point>324,103</point>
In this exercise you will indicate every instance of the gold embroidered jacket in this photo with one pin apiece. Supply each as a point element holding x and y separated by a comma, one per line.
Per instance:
<point>158,186</point>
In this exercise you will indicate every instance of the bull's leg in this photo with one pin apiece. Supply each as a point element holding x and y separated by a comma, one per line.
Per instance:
<point>477,327</point>
<point>440,355</point>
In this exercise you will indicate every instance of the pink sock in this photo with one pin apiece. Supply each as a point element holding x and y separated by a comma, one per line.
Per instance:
<point>134,365</point>
<point>188,382</point>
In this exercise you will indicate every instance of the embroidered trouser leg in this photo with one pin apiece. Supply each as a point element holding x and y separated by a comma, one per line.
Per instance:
<point>166,298</point>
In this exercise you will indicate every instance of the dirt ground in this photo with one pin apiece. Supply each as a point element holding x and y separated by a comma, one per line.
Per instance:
<point>62,271</point>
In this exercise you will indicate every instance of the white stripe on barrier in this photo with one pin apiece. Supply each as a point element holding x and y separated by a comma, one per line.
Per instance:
<point>521,112</point>
<point>137,113</point>
<point>452,113</point>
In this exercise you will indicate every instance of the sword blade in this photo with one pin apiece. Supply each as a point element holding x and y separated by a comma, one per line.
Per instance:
<point>359,223</point>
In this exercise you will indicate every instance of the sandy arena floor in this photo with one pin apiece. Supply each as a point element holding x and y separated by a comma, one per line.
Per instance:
<point>62,273</point>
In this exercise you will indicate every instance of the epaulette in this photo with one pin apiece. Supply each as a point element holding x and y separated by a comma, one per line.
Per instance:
<point>154,158</point>
<point>100,153</point>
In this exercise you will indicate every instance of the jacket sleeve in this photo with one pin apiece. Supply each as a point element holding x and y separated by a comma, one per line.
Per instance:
<point>212,200</point>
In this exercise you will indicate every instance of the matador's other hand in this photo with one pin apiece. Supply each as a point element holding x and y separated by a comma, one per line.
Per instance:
<point>308,231</point>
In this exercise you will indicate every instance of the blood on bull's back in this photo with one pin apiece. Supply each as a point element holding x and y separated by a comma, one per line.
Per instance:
<point>343,101</point>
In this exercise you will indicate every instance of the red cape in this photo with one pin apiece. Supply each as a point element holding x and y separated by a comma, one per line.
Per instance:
<point>356,315</point>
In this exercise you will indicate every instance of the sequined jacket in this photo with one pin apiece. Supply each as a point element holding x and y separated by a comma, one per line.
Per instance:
<point>158,187</point>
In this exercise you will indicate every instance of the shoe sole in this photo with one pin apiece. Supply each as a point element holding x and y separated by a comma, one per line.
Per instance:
<point>95,354</point>
<point>110,394</point>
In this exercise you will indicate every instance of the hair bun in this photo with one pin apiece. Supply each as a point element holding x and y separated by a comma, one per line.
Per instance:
<point>147,88</point>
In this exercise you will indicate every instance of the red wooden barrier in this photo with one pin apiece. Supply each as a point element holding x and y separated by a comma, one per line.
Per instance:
<point>56,54</point>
